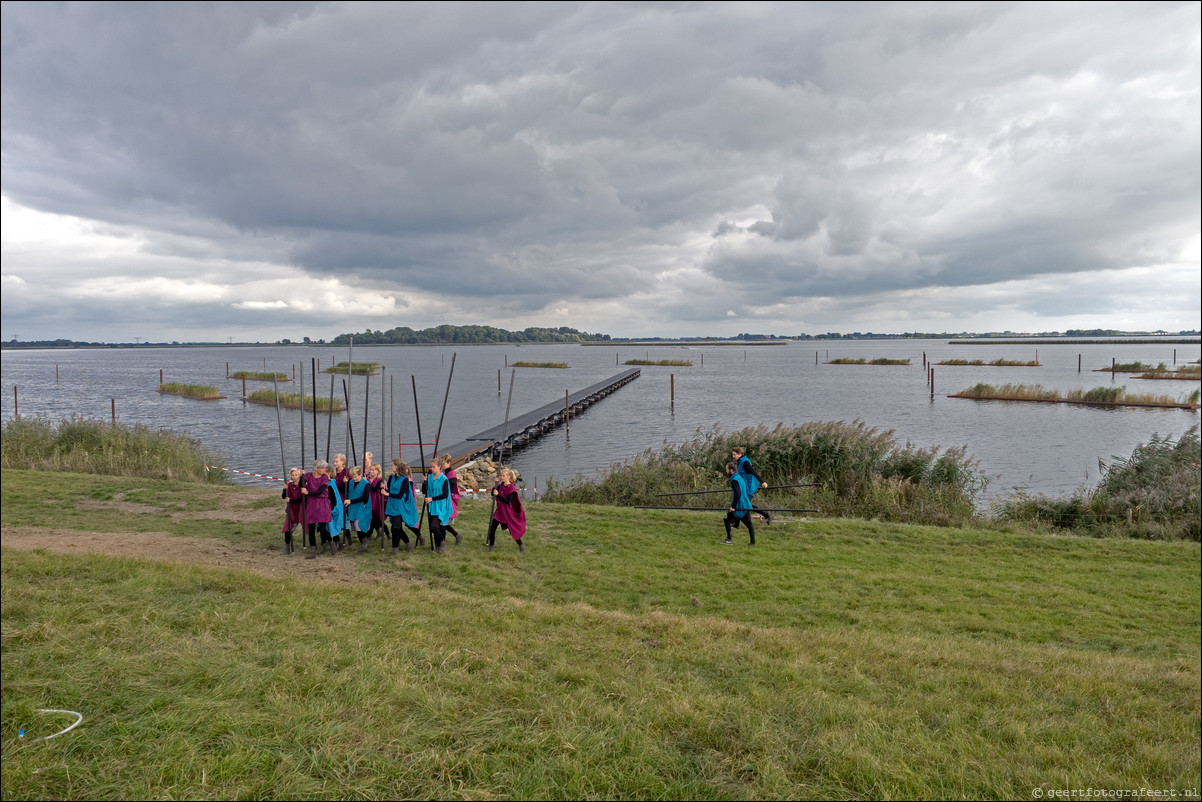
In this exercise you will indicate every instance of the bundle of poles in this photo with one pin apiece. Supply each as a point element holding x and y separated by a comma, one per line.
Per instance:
<point>724,509</point>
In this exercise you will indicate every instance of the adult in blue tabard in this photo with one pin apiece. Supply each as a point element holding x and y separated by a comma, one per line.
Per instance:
<point>751,479</point>
<point>358,506</point>
<point>315,489</point>
<point>437,491</point>
<point>401,506</point>
<point>740,504</point>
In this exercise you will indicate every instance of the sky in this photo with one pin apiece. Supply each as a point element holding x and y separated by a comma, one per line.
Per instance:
<point>258,171</point>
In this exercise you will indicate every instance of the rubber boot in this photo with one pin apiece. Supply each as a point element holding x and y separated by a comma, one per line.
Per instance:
<point>395,550</point>
<point>409,546</point>
<point>521,547</point>
<point>312,553</point>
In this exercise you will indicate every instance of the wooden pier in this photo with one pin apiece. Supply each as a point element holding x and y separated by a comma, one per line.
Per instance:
<point>526,428</point>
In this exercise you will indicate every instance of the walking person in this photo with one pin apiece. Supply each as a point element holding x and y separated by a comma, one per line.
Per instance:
<point>400,505</point>
<point>508,513</point>
<point>341,478</point>
<point>315,489</point>
<point>379,525</point>
<point>740,504</point>
<point>358,506</point>
<point>751,480</point>
<point>453,480</point>
<point>293,514</point>
<point>437,491</point>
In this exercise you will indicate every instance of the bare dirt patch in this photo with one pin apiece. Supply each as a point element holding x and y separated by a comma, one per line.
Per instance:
<point>350,567</point>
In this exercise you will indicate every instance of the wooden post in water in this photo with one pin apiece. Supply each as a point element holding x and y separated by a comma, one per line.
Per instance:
<point>243,387</point>
<point>227,371</point>
<point>567,411</point>
<point>1113,364</point>
<point>293,378</point>
<point>1174,362</point>
<point>498,381</point>
<point>672,392</point>
<point>114,401</point>
<point>815,357</point>
<point>161,379</point>
<point>1078,363</point>
<point>932,383</point>
<point>16,407</point>
<point>702,365</point>
<point>56,365</point>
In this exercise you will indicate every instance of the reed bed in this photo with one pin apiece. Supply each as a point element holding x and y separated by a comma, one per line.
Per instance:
<point>997,363</point>
<point>863,361</point>
<point>1162,371</point>
<point>260,376</point>
<point>673,363</point>
<point>294,401</point>
<point>538,364</point>
<point>357,369</point>
<point>87,445</point>
<point>1152,494</point>
<point>1129,367</point>
<point>204,392</point>
<point>1112,396</point>
<point>863,471</point>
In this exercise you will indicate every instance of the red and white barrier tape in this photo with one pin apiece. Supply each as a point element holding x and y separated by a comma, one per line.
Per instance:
<point>244,473</point>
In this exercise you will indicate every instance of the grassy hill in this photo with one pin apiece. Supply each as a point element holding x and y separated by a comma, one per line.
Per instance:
<point>626,654</point>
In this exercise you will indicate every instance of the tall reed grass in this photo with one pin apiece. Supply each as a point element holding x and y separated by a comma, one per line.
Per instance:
<point>87,445</point>
<point>1152,494</point>
<point>677,363</point>
<point>864,472</point>
<point>259,376</point>
<point>358,369</point>
<point>294,400</point>
<point>1094,395</point>
<point>203,391</point>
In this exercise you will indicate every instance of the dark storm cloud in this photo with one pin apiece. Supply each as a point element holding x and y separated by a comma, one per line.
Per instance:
<point>680,162</point>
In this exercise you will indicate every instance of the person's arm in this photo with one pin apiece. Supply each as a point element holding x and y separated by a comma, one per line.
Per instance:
<point>445,493</point>
<point>734,493</point>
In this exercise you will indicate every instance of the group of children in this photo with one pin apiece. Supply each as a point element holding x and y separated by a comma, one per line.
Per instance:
<point>744,484</point>
<point>334,502</point>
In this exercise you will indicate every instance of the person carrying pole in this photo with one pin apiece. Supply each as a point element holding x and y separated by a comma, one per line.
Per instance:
<point>314,487</point>
<point>751,480</point>
<point>740,504</point>
<point>292,513</point>
<point>453,482</point>
<point>358,506</point>
<point>400,505</point>
<point>437,491</point>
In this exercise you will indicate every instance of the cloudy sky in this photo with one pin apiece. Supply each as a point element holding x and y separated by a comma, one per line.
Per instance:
<point>268,170</point>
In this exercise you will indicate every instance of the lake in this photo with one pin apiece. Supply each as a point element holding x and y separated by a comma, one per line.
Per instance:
<point>1047,448</point>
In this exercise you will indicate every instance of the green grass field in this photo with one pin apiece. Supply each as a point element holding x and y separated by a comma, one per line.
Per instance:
<point>625,655</point>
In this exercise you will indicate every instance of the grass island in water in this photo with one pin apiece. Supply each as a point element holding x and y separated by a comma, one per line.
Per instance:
<point>293,401</point>
<point>358,368</point>
<point>204,392</point>
<point>1098,396</point>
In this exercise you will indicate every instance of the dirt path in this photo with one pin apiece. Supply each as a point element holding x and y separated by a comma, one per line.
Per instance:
<point>349,567</point>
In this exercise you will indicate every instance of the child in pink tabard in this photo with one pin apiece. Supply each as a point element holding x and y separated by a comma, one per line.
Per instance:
<point>508,513</point>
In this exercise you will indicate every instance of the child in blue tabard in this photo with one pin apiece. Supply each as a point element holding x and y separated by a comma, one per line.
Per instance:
<point>337,509</point>
<point>740,504</point>
<point>401,506</point>
<point>437,491</point>
<point>751,479</point>
<point>358,506</point>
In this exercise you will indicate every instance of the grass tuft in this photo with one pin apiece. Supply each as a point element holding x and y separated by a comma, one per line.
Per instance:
<point>86,445</point>
<point>294,400</point>
<point>202,391</point>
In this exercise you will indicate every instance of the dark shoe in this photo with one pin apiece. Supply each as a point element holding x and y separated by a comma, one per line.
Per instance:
<point>312,553</point>
<point>420,542</point>
<point>490,547</point>
<point>767,519</point>
<point>727,542</point>
<point>458,538</point>
<point>362,546</point>
<point>521,547</point>
<point>409,545</point>
<point>395,550</point>
<point>442,548</point>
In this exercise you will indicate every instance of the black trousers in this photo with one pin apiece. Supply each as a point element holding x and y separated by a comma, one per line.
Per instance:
<point>734,519</point>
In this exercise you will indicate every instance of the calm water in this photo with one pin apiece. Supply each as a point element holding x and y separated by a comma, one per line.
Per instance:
<point>1049,448</point>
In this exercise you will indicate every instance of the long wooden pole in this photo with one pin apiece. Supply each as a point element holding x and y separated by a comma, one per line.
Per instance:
<point>421,456</point>
<point>347,395</point>
<point>505,427</point>
<point>302,416</point>
<point>350,427</point>
<point>366,398</point>
<point>330,419</point>
<point>441,417</point>
<point>314,372</point>
<point>283,460</point>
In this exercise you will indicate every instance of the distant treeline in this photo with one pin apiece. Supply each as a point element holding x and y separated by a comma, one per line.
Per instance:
<point>403,335</point>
